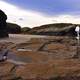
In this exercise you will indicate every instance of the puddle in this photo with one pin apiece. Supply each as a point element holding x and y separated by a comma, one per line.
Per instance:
<point>24,50</point>
<point>16,62</point>
<point>16,58</point>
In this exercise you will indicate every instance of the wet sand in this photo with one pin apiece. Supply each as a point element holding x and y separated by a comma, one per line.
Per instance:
<point>19,38</point>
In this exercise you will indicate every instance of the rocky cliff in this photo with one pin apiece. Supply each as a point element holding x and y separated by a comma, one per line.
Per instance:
<point>57,29</point>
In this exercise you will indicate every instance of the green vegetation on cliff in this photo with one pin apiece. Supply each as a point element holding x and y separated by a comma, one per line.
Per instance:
<point>25,30</point>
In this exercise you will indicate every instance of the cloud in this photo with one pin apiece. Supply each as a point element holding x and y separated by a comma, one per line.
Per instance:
<point>49,7</point>
<point>23,17</point>
<point>75,19</point>
<point>27,18</point>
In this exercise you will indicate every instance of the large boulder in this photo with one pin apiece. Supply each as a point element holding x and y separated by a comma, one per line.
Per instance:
<point>3,27</point>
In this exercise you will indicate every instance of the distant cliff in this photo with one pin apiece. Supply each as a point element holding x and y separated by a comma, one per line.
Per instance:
<point>57,29</point>
<point>13,28</point>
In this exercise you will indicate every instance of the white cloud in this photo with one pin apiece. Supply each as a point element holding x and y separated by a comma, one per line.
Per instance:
<point>31,18</point>
<point>23,17</point>
<point>68,19</point>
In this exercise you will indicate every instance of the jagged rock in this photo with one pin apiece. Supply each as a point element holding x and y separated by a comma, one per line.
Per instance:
<point>5,69</point>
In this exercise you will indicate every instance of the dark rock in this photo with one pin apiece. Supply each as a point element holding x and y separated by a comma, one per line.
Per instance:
<point>3,27</point>
<point>57,29</point>
<point>25,29</point>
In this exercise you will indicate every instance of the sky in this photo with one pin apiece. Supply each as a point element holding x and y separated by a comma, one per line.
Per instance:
<point>32,13</point>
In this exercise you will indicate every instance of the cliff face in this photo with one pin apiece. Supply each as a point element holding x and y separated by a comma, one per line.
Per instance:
<point>3,27</point>
<point>58,29</point>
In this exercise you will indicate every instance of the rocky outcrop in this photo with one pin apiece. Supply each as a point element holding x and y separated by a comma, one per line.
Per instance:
<point>50,58</point>
<point>57,29</point>
<point>3,27</point>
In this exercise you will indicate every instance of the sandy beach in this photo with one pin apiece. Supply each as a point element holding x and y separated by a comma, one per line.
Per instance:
<point>19,38</point>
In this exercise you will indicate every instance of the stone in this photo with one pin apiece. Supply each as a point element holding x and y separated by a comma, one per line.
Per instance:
<point>3,25</point>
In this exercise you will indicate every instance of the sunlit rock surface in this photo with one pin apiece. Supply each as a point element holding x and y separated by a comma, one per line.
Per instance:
<point>48,58</point>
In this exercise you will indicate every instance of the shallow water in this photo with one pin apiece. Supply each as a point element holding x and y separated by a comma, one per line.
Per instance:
<point>19,38</point>
<point>12,57</point>
<point>16,58</point>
